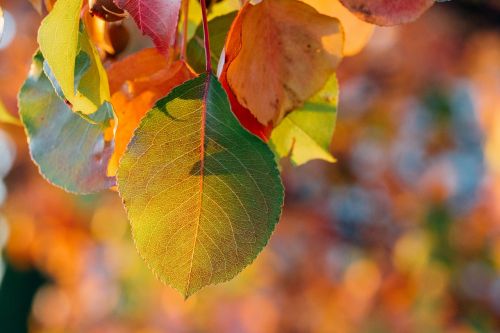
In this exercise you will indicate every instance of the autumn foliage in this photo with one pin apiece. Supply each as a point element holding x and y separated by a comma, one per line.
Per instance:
<point>190,133</point>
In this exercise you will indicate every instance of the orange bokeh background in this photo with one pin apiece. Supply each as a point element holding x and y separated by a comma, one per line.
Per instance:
<point>402,234</point>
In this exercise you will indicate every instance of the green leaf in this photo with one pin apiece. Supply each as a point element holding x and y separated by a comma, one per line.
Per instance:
<point>203,195</point>
<point>218,28</point>
<point>305,134</point>
<point>71,152</point>
<point>60,41</point>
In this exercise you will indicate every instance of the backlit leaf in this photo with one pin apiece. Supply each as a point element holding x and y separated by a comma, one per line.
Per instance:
<point>70,151</point>
<point>216,9</point>
<point>137,82</point>
<point>94,82</point>
<point>155,18</point>
<point>357,32</point>
<point>60,41</point>
<point>203,194</point>
<point>218,28</point>
<point>220,8</point>
<point>305,134</point>
<point>388,12</point>
<point>287,53</point>
<point>246,118</point>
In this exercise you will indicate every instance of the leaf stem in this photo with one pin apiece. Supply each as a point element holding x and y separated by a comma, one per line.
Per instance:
<point>208,55</point>
<point>185,10</point>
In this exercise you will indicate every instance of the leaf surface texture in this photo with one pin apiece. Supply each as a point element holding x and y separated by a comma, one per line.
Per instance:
<point>203,194</point>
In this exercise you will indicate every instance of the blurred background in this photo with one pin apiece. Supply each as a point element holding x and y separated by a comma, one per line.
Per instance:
<point>402,234</point>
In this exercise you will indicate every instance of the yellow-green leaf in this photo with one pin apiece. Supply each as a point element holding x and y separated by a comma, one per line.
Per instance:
<point>94,82</point>
<point>60,41</point>
<point>203,194</point>
<point>305,134</point>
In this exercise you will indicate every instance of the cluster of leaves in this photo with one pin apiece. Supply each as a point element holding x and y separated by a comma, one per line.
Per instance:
<point>192,154</point>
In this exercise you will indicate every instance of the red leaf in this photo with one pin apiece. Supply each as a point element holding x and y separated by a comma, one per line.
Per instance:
<point>388,12</point>
<point>244,115</point>
<point>155,18</point>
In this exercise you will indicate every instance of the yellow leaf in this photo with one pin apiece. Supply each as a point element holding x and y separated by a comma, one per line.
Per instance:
<point>58,38</point>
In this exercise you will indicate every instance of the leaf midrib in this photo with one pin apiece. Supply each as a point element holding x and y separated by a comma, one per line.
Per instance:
<point>202,169</point>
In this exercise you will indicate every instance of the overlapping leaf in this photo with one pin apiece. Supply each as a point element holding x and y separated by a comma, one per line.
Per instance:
<point>357,32</point>
<point>287,51</point>
<point>246,118</point>
<point>71,152</point>
<point>305,134</point>
<point>388,12</point>
<point>155,18</point>
<point>60,41</point>
<point>137,82</point>
<point>218,28</point>
<point>203,194</point>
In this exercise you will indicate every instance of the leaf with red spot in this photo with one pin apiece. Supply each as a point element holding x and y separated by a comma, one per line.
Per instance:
<point>155,18</point>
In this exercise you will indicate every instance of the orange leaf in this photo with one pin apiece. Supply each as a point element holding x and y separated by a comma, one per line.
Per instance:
<point>246,118</point>
<point>388,12</point>
<point>285,53</point>
<point>136,83</point>
<point>357,32</point>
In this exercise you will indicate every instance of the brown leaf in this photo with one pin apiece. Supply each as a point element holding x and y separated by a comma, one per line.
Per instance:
<point>287,53</point>
<point>388,12</point>
<point>136,83</point>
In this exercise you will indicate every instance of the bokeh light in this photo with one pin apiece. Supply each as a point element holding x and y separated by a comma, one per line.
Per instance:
<point>402,234</point>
